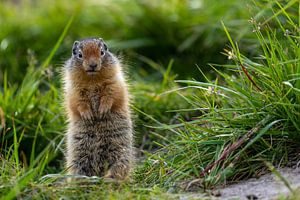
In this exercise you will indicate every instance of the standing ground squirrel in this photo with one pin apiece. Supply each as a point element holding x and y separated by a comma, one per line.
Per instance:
<point>99,136</point>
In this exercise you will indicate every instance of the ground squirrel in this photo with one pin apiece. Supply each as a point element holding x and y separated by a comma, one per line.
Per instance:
<point>99,136</point>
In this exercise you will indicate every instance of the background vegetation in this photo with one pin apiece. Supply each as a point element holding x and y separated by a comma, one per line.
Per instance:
<point>216,89</point>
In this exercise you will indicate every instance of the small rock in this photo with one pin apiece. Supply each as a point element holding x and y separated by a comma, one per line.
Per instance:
<point>216,193</point>
<point>252,197</point>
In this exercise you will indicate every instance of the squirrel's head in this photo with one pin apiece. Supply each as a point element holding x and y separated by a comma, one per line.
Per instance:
<point>92,55</point>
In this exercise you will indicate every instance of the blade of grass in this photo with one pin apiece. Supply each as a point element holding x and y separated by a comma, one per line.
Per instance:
<point>279,176</point>
<point>58,43</point>
<point>16,145</point>
<point>167,74</point>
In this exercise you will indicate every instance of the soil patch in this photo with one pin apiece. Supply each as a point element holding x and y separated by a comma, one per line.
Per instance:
<point>267,186</point>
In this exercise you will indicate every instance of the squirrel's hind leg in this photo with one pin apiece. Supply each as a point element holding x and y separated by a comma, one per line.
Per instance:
<point>120,170</point>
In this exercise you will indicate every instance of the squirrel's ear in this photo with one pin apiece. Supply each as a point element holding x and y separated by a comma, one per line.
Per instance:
<point>75,46</point>
<point>105,46</point>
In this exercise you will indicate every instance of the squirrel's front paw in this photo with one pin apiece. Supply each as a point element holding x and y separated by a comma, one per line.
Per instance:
<point>85,112</point>
<point>105,106</point>
<point>103,110</point>
<point>86,115</point>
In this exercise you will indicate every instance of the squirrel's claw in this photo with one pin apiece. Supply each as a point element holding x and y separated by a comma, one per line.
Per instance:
<point>105,107</point>
<point>103,110</point>
<point>87,115</point>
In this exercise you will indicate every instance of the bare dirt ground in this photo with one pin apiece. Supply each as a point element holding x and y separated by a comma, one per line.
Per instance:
<point>267,186</point>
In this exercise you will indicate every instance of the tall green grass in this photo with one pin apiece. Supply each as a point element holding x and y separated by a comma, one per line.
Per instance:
<point>31,126</point>
<point>247,117</point>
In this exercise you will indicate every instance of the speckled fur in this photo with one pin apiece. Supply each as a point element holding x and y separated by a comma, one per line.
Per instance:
<point>99,135</point>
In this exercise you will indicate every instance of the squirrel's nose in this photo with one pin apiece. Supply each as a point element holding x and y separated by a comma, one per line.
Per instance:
<point>93,66</point>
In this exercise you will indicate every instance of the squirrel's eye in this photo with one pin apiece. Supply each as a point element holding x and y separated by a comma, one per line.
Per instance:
<point>102,52</point>
<point>79,55</point>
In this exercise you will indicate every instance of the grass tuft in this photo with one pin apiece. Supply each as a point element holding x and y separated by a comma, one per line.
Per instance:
<point>248,117</point>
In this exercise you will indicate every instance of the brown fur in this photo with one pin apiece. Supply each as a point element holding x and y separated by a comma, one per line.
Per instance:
<point>99,135</point>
